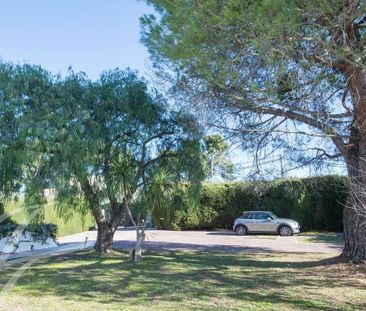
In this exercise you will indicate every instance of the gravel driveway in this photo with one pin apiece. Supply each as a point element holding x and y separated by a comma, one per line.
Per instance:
<point>209,240</point>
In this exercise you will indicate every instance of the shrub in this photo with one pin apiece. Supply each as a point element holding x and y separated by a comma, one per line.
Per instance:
<point>317,203</point>
<point>7,229</point>
<point>39,232</point>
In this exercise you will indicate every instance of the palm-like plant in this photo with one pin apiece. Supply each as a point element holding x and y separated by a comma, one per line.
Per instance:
<point>159,192</point>
<point>154,200</point>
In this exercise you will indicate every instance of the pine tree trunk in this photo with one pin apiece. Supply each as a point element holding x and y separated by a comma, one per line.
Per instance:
<point>354,217</point>
<point>104,243</point>
<point>355,235</point>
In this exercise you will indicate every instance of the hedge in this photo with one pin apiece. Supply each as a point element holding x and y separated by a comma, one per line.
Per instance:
<point>317,203</point>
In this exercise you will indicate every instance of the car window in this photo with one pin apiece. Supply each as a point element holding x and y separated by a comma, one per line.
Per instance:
<point>245,215</point>
<point>251,216</point>
<point>261,216</point>
<point>273,215</point>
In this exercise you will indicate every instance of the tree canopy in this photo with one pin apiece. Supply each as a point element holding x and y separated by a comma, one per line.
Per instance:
<point>216,157</point>
<point>97,142</point>
<point>23,90</point>
<point>279,74</point>
<point>270,68</point>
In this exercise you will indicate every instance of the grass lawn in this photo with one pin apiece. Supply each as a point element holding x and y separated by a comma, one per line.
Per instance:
<point>187,281</point>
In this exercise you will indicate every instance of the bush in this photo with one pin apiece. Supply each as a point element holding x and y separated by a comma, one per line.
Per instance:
<point>67,223</point>
<point>317,203</point>
<point>5,218</point>
<point>39,232</point>
<point>7,229</point>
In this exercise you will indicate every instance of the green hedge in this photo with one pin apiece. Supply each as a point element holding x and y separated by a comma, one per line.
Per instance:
<point>317,203</point>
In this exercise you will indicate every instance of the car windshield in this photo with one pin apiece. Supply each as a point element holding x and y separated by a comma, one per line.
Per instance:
<point>272,215</point>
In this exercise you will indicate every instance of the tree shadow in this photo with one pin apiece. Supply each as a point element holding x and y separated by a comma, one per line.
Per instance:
<point>195,275</point>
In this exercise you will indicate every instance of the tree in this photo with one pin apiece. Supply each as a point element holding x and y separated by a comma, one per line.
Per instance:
<point>159,192</point>
<point>217,162</point>
<point>98,143</point>
<point>101,141</point>
<point>21,91</point>
<point>280,74</point>
<point>154,199</point>
<point>9,134</point>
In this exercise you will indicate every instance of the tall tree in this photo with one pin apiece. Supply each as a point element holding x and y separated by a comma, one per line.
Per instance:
<point>217,160</point>
<point>275,70</point>
<point>98,143</point>
<point>154,199</point>
<point>9,134</point>
<point>22,89</point>
<point>102,140</point>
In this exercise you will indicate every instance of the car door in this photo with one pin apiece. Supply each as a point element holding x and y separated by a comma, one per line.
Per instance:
<point>250,222</point>
<point>264,222</point>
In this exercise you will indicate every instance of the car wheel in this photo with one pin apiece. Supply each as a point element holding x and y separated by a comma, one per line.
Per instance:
<point>241,230</point>
<point>285,231</point>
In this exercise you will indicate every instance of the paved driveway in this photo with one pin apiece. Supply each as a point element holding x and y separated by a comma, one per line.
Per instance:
<point>209,240</point>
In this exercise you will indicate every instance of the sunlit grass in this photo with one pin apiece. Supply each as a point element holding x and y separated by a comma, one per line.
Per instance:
<point>188,281</point>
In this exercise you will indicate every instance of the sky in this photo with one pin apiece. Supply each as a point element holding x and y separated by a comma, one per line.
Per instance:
<point>89,35</point>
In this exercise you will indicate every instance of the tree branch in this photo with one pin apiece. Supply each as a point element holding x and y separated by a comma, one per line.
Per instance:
<point>258,109</point>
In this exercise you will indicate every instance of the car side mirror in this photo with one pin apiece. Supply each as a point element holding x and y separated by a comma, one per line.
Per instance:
<point>269,218</point>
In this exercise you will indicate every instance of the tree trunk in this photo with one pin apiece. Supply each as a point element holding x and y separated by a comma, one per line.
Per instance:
<point>136,252</point>
<point>354,217</point>
<point>355,234</point>
<point>104,243</point>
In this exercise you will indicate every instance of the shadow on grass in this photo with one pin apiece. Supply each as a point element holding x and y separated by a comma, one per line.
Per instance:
<point>274,248</point>
<point>273,279</point>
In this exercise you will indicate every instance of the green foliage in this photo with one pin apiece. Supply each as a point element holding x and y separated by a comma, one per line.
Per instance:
<point>7,229</point>
<point>93,141</point>
<point>264,67</point>
<point>317,203</point>
<point>180,209</point>
<point>159,191</point>
<point>216,158</point>
<point>215,144</point>
<point>25,96</point>
<point>122,132</point>
<point>39,232</point>
<point>228,43</point>
<point>70,220</point>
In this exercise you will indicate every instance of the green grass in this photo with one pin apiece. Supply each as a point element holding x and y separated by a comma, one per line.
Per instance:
<point>188,281</point>
<point>74,224</point>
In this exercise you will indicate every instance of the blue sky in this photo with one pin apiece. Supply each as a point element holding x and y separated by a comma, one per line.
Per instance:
<point>89,35</point>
